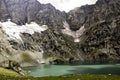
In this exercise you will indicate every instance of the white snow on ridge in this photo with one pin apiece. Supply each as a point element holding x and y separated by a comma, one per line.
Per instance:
<point>13,31</point>
<point>75,34</point>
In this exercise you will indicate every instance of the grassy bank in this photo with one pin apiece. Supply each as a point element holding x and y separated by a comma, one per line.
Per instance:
<point>72,77</point>
<point>6,74</point>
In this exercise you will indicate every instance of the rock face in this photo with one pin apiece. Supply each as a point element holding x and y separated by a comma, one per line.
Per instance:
<point>100,41</point>
<point>26,11</point>
<point>3,11</point>
<point>95,28</point>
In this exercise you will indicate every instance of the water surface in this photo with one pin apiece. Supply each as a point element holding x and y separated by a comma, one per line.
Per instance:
<point>58,70</point>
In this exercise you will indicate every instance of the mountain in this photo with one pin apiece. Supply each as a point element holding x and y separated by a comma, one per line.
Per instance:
<point>26,11</point>
<point>39,33</point>
<point>100,41</point>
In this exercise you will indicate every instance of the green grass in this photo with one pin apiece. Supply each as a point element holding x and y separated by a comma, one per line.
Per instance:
<point>71,77</point>
<point>8,72</point>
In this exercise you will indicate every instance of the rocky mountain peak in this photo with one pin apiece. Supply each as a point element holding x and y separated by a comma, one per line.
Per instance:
<point>26,11</point>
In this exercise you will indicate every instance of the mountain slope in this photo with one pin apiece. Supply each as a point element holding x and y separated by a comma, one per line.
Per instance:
<point>86,34</point>
<point>101,38</point>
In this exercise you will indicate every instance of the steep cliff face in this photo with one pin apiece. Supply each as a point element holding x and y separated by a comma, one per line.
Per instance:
<point>3,11</point>
<point>90,14</point>
<point>88,34</point>
<point>26,11</point>
<point>100,41</point>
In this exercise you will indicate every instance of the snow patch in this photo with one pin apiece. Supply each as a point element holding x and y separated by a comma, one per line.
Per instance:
<point>77,40</point>
<point>14,31</point>
<point>75,34</point>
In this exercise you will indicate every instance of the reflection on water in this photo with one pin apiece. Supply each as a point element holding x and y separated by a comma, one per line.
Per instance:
<point>57,70</point>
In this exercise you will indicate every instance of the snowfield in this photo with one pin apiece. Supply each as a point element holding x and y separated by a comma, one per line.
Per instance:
<point>13,31</point>
<point>75,34</point>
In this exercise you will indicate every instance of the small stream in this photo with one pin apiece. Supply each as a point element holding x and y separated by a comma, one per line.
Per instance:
<point>58,70</point>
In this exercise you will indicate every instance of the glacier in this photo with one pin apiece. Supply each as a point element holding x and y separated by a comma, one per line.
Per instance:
<point>14,31</point>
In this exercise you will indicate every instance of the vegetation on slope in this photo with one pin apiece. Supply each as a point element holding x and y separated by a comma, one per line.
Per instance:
<point>71,77</point>
<point>8,72</point>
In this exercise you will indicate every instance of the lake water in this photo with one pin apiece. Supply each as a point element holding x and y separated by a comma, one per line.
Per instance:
<point>58,70</point>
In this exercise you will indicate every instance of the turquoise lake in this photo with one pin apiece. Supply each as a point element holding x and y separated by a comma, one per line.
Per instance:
<point>58,70</point>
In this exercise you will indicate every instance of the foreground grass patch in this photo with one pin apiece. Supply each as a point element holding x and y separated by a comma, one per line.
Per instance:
<point>8,72</point>
<point>71,77</point>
